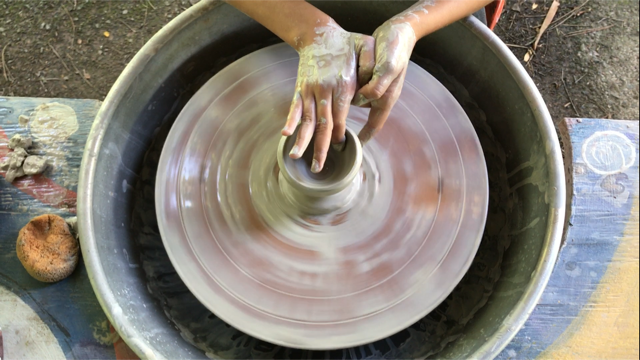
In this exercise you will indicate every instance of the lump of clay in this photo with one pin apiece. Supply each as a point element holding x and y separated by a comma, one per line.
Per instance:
<point>13,164</point>
<point>13,174</point>
<point>34,164</point>
<point>4,165</point>
<point>46,248</point>
<point>17,141</point>
<point>16,157</point>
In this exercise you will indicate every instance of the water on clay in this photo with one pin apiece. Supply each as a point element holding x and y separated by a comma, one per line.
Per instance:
<point>425,338</point>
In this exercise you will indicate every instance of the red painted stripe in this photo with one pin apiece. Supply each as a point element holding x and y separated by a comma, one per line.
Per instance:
<point>123,351</point>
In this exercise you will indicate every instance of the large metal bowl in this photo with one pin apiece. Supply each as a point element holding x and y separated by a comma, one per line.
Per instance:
<point>160,79</point>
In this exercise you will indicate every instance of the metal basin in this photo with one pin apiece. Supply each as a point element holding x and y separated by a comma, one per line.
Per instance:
<point>188,51</point>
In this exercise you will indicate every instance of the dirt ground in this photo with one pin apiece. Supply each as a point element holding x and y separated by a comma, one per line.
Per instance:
<point>586,64</point>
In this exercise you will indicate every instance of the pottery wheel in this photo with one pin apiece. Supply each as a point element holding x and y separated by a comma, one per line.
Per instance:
<point>373,267</point>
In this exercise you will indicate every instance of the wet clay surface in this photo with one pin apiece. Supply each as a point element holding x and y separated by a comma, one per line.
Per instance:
<point>385,258</point>
<point>427,336</point>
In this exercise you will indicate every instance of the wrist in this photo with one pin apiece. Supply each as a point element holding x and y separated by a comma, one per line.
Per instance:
<point>306,34</point>
<point>401,29</point>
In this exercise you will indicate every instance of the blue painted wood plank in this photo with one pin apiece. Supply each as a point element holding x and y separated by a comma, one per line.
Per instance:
<point>68,307</point>
<point>605,182</point>
<point>602,196</point>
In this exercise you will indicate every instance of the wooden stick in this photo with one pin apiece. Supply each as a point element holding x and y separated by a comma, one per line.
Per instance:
<point>547,20</point>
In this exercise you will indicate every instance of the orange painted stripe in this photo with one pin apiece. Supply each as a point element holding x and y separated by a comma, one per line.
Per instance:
<point>607,327</point>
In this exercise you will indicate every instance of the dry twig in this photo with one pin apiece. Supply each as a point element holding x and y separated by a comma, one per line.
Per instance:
<point>561,20</point>
<point>59,57</point>
<point>564,84</point>
<point>127,25</point>
<point>73,25</point>
<point>5,69</point>
<point>44,87</point>
<point>586,31</point>
<point>79,73</point>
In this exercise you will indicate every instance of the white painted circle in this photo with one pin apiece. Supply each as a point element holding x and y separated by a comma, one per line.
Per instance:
<point>608,152</point>
<point>24,334</point>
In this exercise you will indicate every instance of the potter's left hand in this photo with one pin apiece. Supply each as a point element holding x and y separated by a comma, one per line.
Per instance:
<point>394,42</point>
<point>327,80</point>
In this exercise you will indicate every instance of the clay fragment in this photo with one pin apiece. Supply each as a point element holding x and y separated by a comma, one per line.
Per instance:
<point>16,158</point>
<point>14,173</point>
<point>47,249</point>
<point>34,165</point>
<point>23,120</point>
<point>17,141</point>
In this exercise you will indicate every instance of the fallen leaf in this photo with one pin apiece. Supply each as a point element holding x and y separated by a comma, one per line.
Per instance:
<point>516,7</point>
<point>534,6</point>
<point>106,34</point>
<point>547,20</point>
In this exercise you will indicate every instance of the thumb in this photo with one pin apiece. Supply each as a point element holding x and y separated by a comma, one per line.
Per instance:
<point>376,88</point>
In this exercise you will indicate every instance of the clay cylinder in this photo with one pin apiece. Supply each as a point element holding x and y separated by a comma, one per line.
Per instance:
<point>327,190</point>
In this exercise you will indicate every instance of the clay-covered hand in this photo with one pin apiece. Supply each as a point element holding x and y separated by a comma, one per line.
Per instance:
<point>327,80</point>
<point>394,42</point>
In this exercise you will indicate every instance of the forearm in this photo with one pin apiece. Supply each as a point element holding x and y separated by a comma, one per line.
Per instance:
<point>427,16</point>
<point>293,21</point>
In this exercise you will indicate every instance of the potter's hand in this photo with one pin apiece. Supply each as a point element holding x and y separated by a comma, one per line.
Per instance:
<point>394,42</point>
<point>327,80</point>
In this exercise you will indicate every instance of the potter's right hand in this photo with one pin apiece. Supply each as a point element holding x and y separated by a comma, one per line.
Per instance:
<point>328,73</point>
<point>394,42</point>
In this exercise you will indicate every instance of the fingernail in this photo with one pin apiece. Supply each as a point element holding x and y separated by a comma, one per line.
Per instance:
<point>295,151</point>
<point>315,166</point>
<point>339,146</point>
<point>360,100</point>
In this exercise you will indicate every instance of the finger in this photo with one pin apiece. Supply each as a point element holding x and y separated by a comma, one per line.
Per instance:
<point>324,127</point>
<point>295,111</point>
<point>366,60</point>
<point>360,100</point>
<point>380,110</point>
<point>377,87</point>
<point>307,125</point>
<point>340,110</point>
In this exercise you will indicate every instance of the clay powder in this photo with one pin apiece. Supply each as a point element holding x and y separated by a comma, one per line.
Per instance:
<point>53,123</point>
